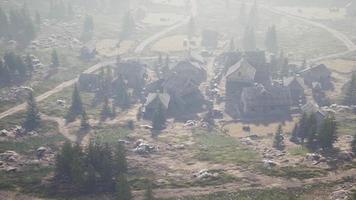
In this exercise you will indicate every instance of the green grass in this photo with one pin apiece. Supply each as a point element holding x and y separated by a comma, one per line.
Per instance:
<point>48,136</point>
<point>298,151</point>
<point>299,172</point>
<point>218,148</point>
<point>110,134</point>
<point>27,180</point>
<point>269,194</point>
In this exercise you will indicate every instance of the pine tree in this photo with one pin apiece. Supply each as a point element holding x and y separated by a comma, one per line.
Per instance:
<point>149,192</point>
<point>271,40</point>
<point>88,29</point>
<point>159,118</point>
<point>350,96</point>
<point>120,159</point>
<point>55,59</point>
<point>294,138</point>
<point>123,190</point>
<point>353,145</point>
<point>105,111</point>
<point>76,107</point>
<point>84,123</point>
<point>312,132</point>
<point>303,127</point>
<point>4,24</point>
<point>33,118</point>
<point>278,142</point>
<point>121,95</point>
<point>327,133</point>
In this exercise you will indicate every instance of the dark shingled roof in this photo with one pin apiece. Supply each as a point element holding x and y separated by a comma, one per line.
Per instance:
<point>275,95</point>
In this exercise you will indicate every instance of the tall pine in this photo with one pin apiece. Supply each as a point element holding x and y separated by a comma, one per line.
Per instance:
<point>33,118</point>
<point>76,107</point>
<point>278,142</point>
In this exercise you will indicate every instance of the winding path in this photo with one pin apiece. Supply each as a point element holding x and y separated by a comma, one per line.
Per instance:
<point>96,67</point>
<point>335,33</point>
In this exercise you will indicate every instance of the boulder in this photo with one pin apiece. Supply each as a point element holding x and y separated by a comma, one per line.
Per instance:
<point>340,195</point>
<point>4,133</point>
<point>269,164</point>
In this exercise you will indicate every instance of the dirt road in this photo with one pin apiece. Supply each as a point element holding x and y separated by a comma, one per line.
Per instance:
<point>335,33</point>
<point>96,67</point>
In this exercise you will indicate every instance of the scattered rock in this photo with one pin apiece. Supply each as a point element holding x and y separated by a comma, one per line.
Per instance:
<point>205,174</point>
<point>269,164</point>
<point>340,195</point>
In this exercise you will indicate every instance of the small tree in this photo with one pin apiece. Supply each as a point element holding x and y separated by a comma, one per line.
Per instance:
<point>312,132</point>
<point>120,159</point>
<point>303,127</point>
<point>55,59</point>
<point>278,142</point>
<point>33,118</point>
<point>105,111</point>
<point>123,190</point>
<point>88,29</point>
<point>149,192</point>
<point>350,96</point>
<point>294,137</point>
<point>84,123</point>
<point>76,107</point>
<point>159,118</point>
<point>271,40</point>
<point>353,145</point>
<point>327,133</point>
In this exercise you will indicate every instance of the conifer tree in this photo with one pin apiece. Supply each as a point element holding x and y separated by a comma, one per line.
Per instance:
<point>120,159</point>
<point>149,192</point>
<point>88,29</point>
<point>76,107</point>
<point>303,127</point>
<point>327,133</point>
<point>353,144</point>
<point>312,132</point>
<point>55,59</point>
<point>294,137</point>
<point>105,111</point>
<point>271,40</point>
<point>123,190</point>
<point>159,118</point>
<point>33,118</point>
<point>121,95</point>
<point>278,142</point>
<point>84,122</point>
<point>350,96</point>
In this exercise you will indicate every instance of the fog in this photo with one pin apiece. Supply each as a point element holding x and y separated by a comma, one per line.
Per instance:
<point>177,99</point>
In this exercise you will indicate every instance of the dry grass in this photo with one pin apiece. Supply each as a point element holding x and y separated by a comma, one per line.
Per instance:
<point>172,44</point>
<point>235,129</point>
<point>314,12</point>
<point>340,65</point>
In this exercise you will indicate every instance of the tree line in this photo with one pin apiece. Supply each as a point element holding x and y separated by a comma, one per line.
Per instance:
<point>18,25</point>
<point>314,133</point>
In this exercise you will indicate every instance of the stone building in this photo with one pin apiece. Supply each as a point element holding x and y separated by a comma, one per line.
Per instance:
<point>260,101</point>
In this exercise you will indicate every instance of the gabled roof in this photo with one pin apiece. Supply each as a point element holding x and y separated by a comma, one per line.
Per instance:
<point>244,69</point>
<point>164,98</point>
<point>313,108</point>
<point>320,69</point>
<point>294,82</point>
<point>273,96</point>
